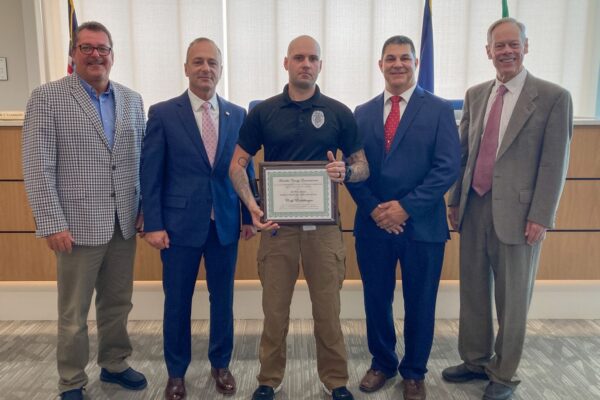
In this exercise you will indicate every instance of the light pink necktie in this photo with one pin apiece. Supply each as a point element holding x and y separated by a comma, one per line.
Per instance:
<point>484,167</point>
<point>209,132</point>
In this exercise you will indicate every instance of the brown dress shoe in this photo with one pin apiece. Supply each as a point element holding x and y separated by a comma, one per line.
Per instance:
<point>175,389</point>
<point>224,380</point>
<point>414,390</point>
<point>372,381</point>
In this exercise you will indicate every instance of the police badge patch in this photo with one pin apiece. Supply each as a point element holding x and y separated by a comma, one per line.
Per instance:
<point>317,118</point>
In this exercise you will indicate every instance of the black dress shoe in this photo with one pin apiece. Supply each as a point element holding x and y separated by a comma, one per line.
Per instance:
<point>75,394</point>
<point>263,392</point>
<point>129,379</point>
<point>460,373</point>
<point>497,391</point>
<point>341,393</point>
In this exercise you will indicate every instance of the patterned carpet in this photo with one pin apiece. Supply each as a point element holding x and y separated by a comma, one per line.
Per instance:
<point>561,361</point>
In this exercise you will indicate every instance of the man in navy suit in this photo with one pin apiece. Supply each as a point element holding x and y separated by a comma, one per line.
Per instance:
<point>411,144</point>
<point>191,211</point>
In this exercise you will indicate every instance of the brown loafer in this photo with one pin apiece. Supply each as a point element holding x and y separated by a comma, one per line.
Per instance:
<point>175,389</point>
<point>224,380</point>
<point>372,381</point>
<point>413,389</point>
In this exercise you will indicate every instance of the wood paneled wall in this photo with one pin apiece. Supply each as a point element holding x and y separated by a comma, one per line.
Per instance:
<point>571,251</point>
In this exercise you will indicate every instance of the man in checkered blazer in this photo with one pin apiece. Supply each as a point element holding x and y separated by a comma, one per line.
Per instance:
<point>82,140</point>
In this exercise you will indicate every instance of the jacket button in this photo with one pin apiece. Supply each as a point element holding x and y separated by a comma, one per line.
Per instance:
<point>112,194</point>
<point>114,167</point>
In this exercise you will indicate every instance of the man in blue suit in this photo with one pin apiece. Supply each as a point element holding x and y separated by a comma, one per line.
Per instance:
<point>411,143</point>
<point>191,211</point>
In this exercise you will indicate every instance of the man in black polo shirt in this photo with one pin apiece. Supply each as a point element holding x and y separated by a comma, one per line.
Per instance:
<point>300,124</point>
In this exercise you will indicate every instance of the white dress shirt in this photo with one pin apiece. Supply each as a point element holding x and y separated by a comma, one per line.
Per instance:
<point>514,86</point>
<point>196,107</point>
<point>387,103</point>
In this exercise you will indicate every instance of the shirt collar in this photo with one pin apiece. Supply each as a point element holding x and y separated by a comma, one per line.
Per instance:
<point>314,100</point>
<point>405,95</point>
<point>197,101</point>
<point>515,84</point>
<point>91,91</point>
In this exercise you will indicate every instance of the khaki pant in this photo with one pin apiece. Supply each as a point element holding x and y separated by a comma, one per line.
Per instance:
<point>323,263</point>
<point>489,268</point>
<point>109,270</point>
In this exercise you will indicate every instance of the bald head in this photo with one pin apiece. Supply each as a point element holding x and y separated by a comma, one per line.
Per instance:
<point>303,64</point>
<point>304,41</point>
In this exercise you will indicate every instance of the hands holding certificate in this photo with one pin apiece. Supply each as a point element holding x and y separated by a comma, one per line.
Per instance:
<point>257,215</point>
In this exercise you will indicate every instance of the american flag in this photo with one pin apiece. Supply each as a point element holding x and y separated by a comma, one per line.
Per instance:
<point>72,29</point>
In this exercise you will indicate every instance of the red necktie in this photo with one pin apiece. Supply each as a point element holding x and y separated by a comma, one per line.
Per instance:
<point>391,123</point>
<point>484,166</point>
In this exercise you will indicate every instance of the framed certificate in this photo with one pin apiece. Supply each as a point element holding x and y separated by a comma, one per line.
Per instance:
<point>298,192</point>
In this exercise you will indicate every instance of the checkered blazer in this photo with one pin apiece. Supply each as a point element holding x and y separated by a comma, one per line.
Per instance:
<point>73,179</point>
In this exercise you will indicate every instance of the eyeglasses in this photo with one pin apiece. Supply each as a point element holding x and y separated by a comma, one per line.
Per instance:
<point>88,49</point>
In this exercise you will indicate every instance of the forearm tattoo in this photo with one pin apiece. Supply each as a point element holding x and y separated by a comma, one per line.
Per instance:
<point>239,179</point>
<point>360,167</point>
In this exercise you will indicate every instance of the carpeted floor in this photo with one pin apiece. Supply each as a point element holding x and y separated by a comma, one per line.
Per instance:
<point>561,361</point>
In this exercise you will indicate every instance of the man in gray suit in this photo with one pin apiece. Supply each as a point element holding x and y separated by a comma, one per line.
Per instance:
<point>515,136</point>
<point>82,138</point>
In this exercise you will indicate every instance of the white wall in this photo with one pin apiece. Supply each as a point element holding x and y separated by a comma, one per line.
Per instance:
<point>14,92</point>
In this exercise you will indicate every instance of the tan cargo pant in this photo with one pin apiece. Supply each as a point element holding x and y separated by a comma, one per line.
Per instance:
<point>323,263</point>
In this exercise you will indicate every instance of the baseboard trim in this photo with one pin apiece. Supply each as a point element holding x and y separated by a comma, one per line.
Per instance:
<point>551,300</point>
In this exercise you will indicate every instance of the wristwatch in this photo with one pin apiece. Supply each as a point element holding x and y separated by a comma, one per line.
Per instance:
<point>348,173</point>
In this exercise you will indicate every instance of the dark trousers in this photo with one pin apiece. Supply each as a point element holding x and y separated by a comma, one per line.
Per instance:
<point>180,270</point>
<point>421,266</point>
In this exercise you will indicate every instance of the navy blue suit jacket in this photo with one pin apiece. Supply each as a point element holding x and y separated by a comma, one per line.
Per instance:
<point>179,186</point>
<point>422,164</point>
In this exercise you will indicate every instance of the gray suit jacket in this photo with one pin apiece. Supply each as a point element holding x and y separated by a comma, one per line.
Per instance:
<point>73,179</point>
<point>532,161</point>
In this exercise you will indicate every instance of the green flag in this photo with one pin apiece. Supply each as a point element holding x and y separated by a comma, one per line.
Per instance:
<point>504,8</point>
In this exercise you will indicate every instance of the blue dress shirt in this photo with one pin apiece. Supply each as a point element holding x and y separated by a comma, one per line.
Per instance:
<point>105,106</point>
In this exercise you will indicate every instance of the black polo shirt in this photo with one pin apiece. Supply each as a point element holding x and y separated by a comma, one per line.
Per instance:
<point>299,131</point>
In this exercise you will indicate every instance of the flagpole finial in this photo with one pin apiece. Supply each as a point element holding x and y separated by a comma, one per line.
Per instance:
<point>72,29</point>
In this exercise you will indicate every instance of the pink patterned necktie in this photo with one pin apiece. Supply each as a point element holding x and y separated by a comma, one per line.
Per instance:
<point>391,123</point>
<point>209,132</point>
<point>484,166</point>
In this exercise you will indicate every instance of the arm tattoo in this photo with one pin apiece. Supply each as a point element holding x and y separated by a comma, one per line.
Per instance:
<point>239,179</point>
<point>242,162</point>
<point>360,167</point>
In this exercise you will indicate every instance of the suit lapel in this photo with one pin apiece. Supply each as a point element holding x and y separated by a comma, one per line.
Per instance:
<point>186,115</point>
<point>412,108</point>
<point>377,125</point>
<point>118,116</point>
<point>224,120</point>
<point>523,109</point>
<point>83,98</point>
<point>478,104</point>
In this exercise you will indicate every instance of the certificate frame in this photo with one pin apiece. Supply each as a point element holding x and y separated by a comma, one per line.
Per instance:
<point>298,193</point>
